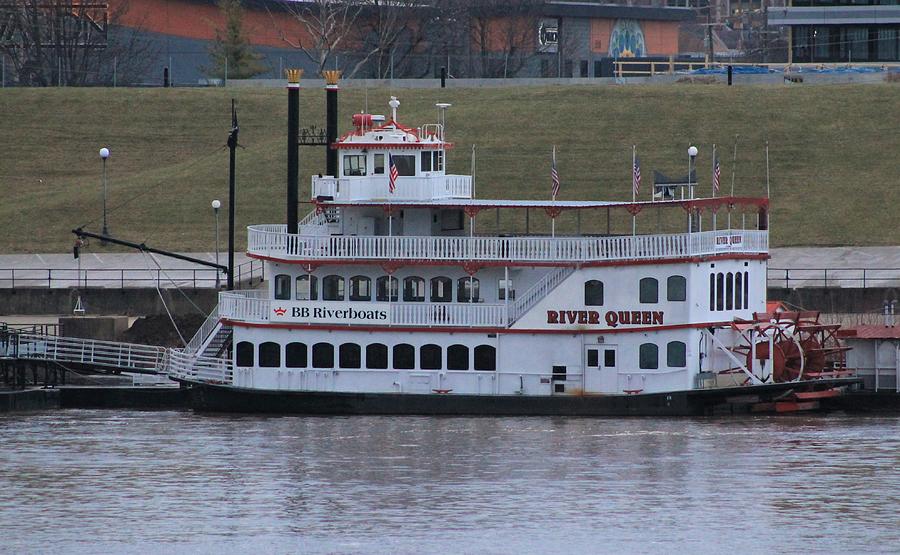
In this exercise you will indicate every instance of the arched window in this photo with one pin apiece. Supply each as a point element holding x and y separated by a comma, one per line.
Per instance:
<point>333,288</point>
<point>307,288</point>
<point>376,356</point>
<point>676,288</point>
<point>295,355</point>
<point>649,290</point>
<point>457,357</point>
<point>648,356</point>
<point>283,287</point>
<point>413,289</point>
<point>746,290</point>
<point>729,291</point>
<point>350,355</point>
<point>269,355</point>
<point>441,290</point>
<point>360,288</point>
<point>738,291</point>
<point>712,291</point>
<point>467,290</point>
<point>676,354</point>
<point>430,357</point>
<point>244,354</point>
<point>386,289</point>
<point>485,357</point>
<point>720,291</point>
<point>323,355</point>
<point>404,357</point>
<point>593,293</point>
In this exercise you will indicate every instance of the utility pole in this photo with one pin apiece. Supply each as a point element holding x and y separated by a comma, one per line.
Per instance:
<point>232,147</point>
<point>710,52</point>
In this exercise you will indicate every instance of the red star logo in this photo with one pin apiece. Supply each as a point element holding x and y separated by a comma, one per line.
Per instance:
<point>280,311</point>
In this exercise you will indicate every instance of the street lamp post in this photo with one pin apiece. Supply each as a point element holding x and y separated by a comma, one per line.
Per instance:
<point>104,154</point>
<point>215,206</point>
<point>692,154</point>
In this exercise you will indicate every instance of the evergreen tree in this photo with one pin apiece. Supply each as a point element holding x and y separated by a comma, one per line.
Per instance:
<point>232,46</point>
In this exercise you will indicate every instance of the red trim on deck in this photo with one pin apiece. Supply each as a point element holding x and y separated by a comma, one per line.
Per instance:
<point>596,264</point>
<point>447,329</point>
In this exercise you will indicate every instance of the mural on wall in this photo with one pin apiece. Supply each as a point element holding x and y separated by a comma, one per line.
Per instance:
<point>627,40</point>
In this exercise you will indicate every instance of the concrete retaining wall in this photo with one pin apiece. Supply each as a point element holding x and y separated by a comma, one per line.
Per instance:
<point>835,299</point>
<point>125,302</point>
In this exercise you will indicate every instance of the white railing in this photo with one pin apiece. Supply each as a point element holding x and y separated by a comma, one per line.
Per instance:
<point>271,240</point>
<point>185,366</point>
<point>449,314</point>
<point>127,357</point>
<point>346,189</point>
<point>245,306</point>
<point>538,291</point>
<point>203,332</point>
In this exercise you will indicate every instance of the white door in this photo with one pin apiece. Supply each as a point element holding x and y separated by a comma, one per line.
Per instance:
<point>600,369</point>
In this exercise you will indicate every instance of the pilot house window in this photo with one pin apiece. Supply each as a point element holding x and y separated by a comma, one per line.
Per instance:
<point>354,164</point>
<point>378,164</point>
<point>405,163</point>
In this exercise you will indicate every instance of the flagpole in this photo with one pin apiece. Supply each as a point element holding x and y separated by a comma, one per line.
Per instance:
<point>553,197</point>
<point>633,192</point>
<point>733,166</point>
<point>715,212</point>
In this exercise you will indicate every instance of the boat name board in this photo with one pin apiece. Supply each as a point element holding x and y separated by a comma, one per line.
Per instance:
<point>331,313</point>
<point>612,318</point>
<point>729,241</point>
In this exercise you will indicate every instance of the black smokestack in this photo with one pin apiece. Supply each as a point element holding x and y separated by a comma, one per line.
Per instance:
<point>331,121</point>
<point>293,150</point>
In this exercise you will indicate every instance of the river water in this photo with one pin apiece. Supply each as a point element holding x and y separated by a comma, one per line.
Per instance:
<point>84,481</point>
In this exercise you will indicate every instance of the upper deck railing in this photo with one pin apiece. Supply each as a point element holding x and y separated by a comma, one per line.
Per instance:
<point>348,189</point>
<point>273,241</point>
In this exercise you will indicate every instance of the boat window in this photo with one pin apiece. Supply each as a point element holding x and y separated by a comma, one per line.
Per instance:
<point>738,291</point>
<point>323,355</point>
<point>350,355</point>
<point>283,287</point>
<point>648,356</point>
<point>360,288</point>
<point>485,357</point>
<point>244,354</point>
<point>676,354</point>
<point>405,164</point>
<point>269,355</point>
<point>295,355</point>
<point>414,289</point>
<point>307,288</point>
<point>676,288</point>
<point>729,291</point>
<point>426,160</point>
<point>333,288</point>
<point>649,290</point>
<point>386,289</point>
<point>720,291</point>
<point>354,164</point>
<point>404,357</point>
<point>430,357</point>
<point>503,286</point>
<point>457,357</point>
<point>593,293</point>
<point>376,356</point>
<point>712,291</point>
<point>437,160</point>
<point>441,290</point>
<point>467,290</point>
<point>379,164</point>
<point>746,290</point>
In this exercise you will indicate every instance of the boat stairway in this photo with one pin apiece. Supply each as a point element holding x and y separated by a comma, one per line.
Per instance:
<point>220,343</point>
<point>538,292</point>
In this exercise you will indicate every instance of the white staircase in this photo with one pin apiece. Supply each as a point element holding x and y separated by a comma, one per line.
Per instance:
<point>538,291</point>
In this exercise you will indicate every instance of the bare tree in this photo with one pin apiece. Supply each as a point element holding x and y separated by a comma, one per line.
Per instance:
<point>68,42</point>
<point>503,34</point>
<point>328,25</point>
<point>389,31</point>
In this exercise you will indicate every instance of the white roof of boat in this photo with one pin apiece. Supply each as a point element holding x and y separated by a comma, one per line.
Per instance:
<point>547,204</point>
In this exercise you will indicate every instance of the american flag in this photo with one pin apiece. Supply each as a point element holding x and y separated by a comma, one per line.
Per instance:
<point>393,175</point>
<point>554,177</point>
<point>636,177</point>
<point>717,172</point>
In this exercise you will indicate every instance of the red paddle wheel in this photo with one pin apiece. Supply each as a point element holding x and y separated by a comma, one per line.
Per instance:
<point>790,346</point>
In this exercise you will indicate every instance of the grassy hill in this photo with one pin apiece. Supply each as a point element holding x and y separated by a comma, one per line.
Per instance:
<point>834,153</point>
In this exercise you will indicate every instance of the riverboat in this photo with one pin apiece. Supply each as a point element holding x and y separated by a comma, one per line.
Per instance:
<point>386,299</point>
